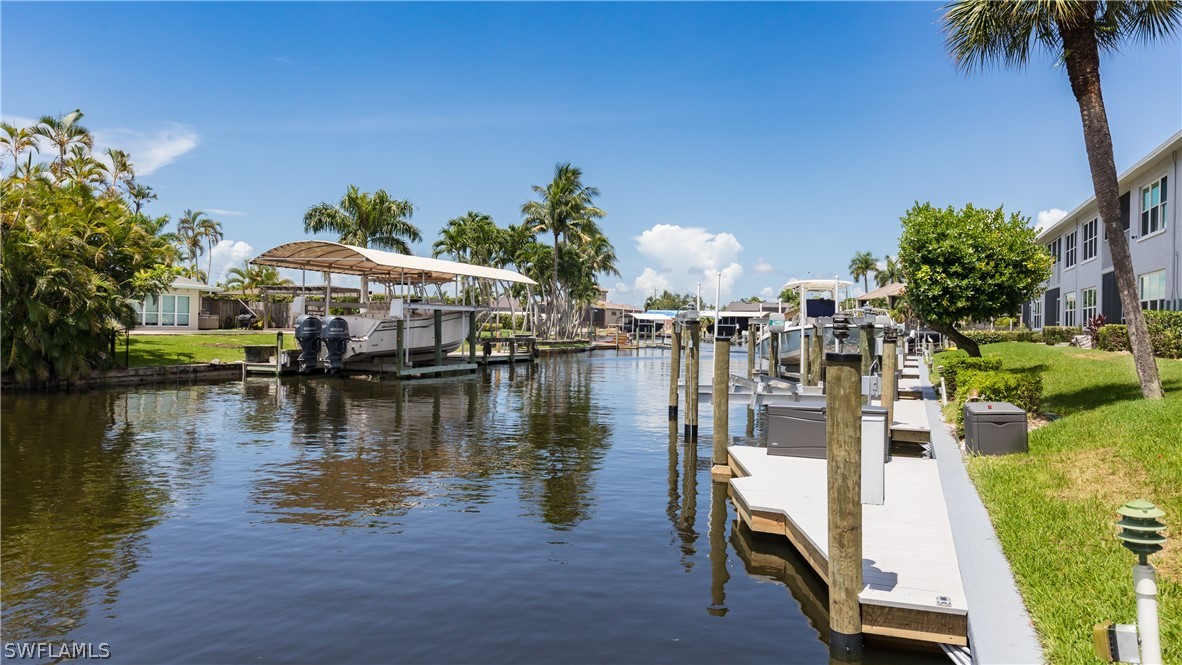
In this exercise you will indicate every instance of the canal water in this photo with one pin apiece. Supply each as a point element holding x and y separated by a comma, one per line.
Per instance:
<point>543,514</point>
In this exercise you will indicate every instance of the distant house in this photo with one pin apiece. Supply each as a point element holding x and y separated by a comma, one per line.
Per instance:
<point>178,308</point>
<point>606,314</point>
<point>892,293</point>
<point>1082,283</point>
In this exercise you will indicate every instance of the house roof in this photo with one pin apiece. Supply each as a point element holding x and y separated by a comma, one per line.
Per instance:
<point>1135,172</point>
<point>889,291</point>
<point>326,256</point>
<point>186,283</point>
<point>603,304</point>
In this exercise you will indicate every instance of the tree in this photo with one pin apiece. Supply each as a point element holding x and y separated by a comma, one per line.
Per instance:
<point>362,219</point>
<point>190,236</point>
<point>250,279</point>
<point>982,32</point>
<point>862,265</point>
<point>121,169</point>
<point>668,301</point>
<point>64,132</point>
<point>969,264</point>
<point>891,272</point>
<point>16,141</point>
<point>790,297</point>
<point>211,231</point>
<point>139,194</point>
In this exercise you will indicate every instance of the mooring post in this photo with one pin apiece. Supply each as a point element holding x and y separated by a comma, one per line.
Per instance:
<point>890,365</point>
<point>438,337</point>
<point>472,339</point>
<point>866,345</point>
<point>750,352</point>
<point>400,333</point>
<point>773,365</point>
<point>674,370</point>
<point>278,352</point>
<point>721,399</point>
<point>843,440</point>
<point>817,353</point>
<point>692,351</point>
<point>806,352</point>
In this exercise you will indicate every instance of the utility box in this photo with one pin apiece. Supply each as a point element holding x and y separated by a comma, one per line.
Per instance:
<point>994,428</point>
<point>798,430</point>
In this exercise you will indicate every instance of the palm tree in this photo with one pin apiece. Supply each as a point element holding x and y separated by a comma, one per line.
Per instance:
<point>211,230</point>
<point>861,266</point>
<point>15,141</point>
<point>139,194</point>
<point>364,220</point>
<point>187,230</point>
<point>120,170</point>
<point>63,132</point>
<point>250,279</point>
<point>81,168</point>
<point>891,272</point>
<point>983,32</point>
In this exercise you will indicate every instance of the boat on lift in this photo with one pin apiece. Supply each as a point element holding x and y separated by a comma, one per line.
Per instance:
<point>410,330</point>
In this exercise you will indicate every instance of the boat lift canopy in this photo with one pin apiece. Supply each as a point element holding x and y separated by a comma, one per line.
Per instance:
<point>333,257</point>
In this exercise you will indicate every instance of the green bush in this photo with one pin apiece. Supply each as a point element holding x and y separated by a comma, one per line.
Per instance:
<point>1023,389</point>
<point>1058,334</point>
<point>955,365</point>
<point>1165,333</point>
<point>1005,322</point>
<point>997,336</point>
<point>1113,337</point>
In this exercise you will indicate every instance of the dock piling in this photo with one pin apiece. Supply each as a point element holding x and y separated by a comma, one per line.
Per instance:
<point>890,362</point>
<point>773,367</point>
<point>472,339</point>
<point>843,426</point>
<point>674,370</point>
<point>720,398</point>
<point>866,345</point>
<point>806,357</point>
<point>401,335</point>
<point>438,337</point>
<point>692,367</point>
<point>816,355</point>
<point>750,352</point>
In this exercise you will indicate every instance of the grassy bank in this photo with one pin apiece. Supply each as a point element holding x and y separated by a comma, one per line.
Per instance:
<point>1054,508</point>
<point>156,350</point>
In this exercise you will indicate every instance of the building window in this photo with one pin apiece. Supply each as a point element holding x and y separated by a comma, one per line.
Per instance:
<point>1069,250</point>
<point>1036,315</point>
<point>1153,290</point>
<point>1069,309</point>
<point>1089,304</point>
<point>1055,247</point>
<point>1153,207</point>
<point>168,310</point>
<point>1090,244</point>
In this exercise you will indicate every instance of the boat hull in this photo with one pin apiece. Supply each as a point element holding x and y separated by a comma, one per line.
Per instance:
<point>375,341</point>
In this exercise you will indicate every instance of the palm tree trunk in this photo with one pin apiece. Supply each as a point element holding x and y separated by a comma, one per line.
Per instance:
<point>1083,69</point>
<point>208,275</point>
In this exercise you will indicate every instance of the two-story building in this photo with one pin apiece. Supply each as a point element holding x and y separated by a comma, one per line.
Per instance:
<point>1082,284</point>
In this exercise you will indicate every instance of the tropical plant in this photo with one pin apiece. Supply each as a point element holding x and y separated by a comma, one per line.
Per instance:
<point>81,168</point>
<point>983,32</point>
<point>16,141</point>
<point>790,296</point>
<point>250,279</point>
<point>970,264</point>
<point>120,171</point>
<point>211,231</point>
<point>63,132</point>
<point>890,272</point>
<point>138,194</point>
<point>668,301</point>
<point>861,266</point>
<point>190,236</point>
<point>366,220</point>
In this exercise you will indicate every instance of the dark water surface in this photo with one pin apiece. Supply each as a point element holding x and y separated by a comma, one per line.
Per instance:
<point>541,516</point>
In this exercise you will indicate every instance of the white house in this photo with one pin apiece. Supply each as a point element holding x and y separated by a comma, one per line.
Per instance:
<point>175,309</point>
<point>1082,283</point>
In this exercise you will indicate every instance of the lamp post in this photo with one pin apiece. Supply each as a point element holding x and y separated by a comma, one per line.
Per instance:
<point>1141,534</point>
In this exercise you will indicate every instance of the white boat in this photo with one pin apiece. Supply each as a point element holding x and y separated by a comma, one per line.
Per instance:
<point>409,331</point>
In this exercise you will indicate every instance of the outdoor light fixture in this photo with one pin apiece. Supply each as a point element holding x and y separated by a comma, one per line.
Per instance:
<point>1140,533</point>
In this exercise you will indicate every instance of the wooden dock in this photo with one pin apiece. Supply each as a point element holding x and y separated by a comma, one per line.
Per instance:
<point>912,580</point>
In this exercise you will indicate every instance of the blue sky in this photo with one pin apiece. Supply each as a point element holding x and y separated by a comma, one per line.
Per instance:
<point>763,141</point>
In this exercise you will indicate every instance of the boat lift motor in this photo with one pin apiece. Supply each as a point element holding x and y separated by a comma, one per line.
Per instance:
<point>307,333</point>
<point>336,338</point>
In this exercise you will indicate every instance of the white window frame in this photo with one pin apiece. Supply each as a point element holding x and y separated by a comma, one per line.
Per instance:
<point>1069,310</point>
<point>1055,247</point>
<point>1091,233</point>
<point>1156,300</point>
<point>1069,250</point>
<point>1153,213</point>
<point>1036,314</point>
<point>151,312</point>
<point>1088,304</point>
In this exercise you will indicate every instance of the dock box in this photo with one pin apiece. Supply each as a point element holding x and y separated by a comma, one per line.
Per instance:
<point>798,430</point>
<point>994,428</point>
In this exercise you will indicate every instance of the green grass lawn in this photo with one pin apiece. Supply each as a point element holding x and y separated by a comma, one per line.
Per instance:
<point>1054,508</point>
<point>154,350</point>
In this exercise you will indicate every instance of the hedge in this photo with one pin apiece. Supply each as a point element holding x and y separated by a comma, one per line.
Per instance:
<point>1165,334</point>
<point>1023,389</point>
<point>995,336</point>
<point>1059,334</point>
<point>957,364</point>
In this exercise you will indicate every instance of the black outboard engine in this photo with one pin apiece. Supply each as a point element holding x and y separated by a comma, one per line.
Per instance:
<point>307,333</point>
<point>336,337</point>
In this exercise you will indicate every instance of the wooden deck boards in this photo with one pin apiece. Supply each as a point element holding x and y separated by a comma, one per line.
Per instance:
<point>909,560</point>
<point>911,422</point>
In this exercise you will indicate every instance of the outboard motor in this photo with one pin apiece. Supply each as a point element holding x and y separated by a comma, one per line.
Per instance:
<point>307,333</point>
<point>336,337</point>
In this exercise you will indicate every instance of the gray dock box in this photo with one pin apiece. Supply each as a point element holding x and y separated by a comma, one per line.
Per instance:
<point>798,430</point>
<point>994,428</point>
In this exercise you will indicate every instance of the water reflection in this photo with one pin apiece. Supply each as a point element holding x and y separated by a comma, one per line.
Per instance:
<point>83,478</point>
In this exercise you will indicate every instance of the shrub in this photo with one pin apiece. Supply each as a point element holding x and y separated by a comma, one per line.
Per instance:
<point>1113,337</point>
<point>1058,334</point>
<point>996,336</point>
<point>1093,328</point>
<point>1023,389</point>
<point>1165,333</point>
<point>1005,322</point>
<point>955,365</point>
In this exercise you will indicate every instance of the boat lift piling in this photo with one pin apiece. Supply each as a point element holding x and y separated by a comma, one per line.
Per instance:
<point>890,375</point>
<point>721,469</point>
<point>692,367</point>
<point>817,355</point>
<point>843,414</point>
<point>674,369</point>
<point>806,352</point>
<point>750,352</point>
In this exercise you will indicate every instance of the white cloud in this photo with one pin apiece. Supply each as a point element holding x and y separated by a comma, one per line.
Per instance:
<point>1047,218</point>
<point>768,293</point>
<point>149,150</point>
<point>228,254</point>
<point>762,267</point>
<point>686,257</point>
<point>223,213</point>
